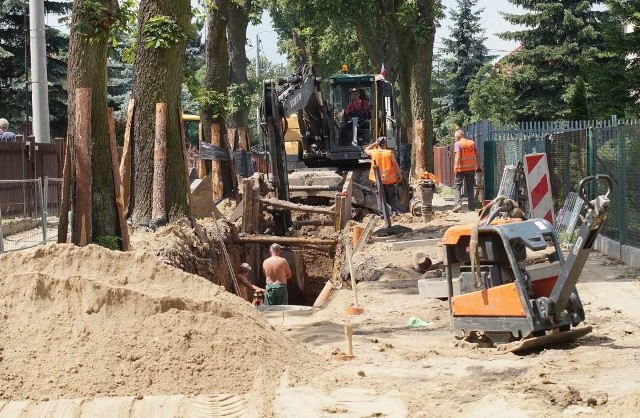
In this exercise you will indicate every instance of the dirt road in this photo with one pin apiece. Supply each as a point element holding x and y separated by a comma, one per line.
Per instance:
<point>124,334</point>
<point>400,371</point>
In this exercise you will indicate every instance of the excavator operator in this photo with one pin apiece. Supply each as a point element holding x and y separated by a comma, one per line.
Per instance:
<point>358,108</point>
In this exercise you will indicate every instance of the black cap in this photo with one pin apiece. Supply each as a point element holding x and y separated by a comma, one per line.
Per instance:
<point>382,140</point>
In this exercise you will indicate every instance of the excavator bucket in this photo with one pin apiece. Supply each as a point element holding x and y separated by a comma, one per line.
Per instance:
<point>544,341</point>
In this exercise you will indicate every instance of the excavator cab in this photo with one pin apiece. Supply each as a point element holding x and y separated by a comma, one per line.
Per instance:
<point>362,109</point>
<point>352,112</point>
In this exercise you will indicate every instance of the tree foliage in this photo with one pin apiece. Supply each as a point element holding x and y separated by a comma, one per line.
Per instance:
<point>559,38</point>
<point>492,96</point>
<point>14,69</point>
<point>465,52</point>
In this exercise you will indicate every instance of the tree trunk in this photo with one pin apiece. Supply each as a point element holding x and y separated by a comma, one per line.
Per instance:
<point>420,81</point>
<point>216,79</point>
<point>237,34</point>
<point>157,78</point>
<point>87,68</point>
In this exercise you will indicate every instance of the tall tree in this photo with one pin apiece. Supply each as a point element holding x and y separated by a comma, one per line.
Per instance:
<point>87,67</point>
<point>492,96</point>
<point>465,51</point>
<point>239,93</point>
<point>163,28</point>
<point>390,32</point>
<point>14,72</point>
<point>213,97</point>
<point>424,31</point>
<point>558,39</point>
<point>620,80</point>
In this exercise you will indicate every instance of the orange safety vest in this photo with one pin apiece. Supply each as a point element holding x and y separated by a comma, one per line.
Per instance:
<point>383,159</point>
<point>467,155</point>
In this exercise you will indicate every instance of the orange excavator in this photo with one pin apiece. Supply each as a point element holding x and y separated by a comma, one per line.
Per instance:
<point>514,287</point>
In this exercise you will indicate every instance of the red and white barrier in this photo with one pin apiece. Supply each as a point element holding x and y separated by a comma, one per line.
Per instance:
<point>538,186</point>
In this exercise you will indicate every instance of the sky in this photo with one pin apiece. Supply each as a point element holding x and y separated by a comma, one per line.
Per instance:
<point>492,21</point>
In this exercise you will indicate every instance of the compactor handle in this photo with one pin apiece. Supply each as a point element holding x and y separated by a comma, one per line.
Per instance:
<point>596,178</point>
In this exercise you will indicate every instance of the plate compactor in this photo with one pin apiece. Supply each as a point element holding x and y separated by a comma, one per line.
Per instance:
<point>515,286</point>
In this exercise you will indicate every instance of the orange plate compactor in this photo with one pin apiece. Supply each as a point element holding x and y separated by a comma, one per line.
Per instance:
<point>514,281</point>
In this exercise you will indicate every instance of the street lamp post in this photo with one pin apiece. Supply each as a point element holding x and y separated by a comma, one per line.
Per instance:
<point>257,56</point>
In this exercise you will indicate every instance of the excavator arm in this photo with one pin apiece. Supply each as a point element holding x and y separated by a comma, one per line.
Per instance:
<point>281,97</point>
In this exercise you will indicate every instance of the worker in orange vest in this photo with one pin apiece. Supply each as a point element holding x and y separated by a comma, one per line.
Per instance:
<point>390,172</point>
<point>465,164</point>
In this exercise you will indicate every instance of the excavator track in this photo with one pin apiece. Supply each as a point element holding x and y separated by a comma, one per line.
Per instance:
<point>548,340</point>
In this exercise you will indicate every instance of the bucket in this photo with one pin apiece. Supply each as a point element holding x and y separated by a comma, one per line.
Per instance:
<point>356,234</point>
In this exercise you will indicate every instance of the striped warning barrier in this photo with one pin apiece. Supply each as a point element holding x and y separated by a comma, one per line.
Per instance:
<point>539,186</point>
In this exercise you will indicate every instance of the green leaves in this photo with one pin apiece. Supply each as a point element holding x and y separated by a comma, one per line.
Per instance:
<point>213,101</point>
<point>93,20</point>
<point>161,32</point>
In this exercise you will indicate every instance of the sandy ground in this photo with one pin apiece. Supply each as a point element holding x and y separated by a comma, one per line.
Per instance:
<point>400,371</point>
<point>95,325</point>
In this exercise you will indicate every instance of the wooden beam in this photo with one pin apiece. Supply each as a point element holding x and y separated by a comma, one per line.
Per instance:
<point>317,187</point>
<point>216,166</point>
<point>247,206</point>
<point>347,192</point>
<point>313,222</point>
<point>295,206</point>
<point>117,183</point>
<point>340,206</point>
<point>125,163</point>
<point>299,266</point>
<point>202,167</point>
<point>63,225</point>
<point>243,139</point>
<point>158,207</point>
<point>183,140</point>
<point>270,239</point>
<point>82,231</point>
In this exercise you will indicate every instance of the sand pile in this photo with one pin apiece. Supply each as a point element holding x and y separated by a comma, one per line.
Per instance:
<point>82,322</point>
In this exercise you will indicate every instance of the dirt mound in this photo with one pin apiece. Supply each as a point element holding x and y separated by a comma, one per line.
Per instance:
<point>82,322</point>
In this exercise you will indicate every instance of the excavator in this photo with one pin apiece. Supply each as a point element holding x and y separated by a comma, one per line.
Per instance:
<point>514,287</point>
<point>304,133</point>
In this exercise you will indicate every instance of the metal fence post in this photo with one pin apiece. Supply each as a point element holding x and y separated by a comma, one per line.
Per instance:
<point>622,184</point>
<point>490,169</point>
<point>45,207</point>
<point>1,235</point>
<point>590,164</point>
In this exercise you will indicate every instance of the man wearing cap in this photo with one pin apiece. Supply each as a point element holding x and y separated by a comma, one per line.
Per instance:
<point>357,107</point>
<point>277,272</point>
<point>390,172</point>
<point>243,277</point>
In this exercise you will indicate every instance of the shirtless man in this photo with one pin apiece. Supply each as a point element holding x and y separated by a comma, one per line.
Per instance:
<point>243,279</point>
<point>277,272</point>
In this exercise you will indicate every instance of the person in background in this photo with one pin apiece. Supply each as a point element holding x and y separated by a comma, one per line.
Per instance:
<point>5,135</point>
<point>390,172</point>
<point>277,272</point>
<point>465,165</point>
<point>243,277</point>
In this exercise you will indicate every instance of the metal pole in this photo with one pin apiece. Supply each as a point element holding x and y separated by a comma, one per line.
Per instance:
<point>39,90</point>
<point>257,57</point>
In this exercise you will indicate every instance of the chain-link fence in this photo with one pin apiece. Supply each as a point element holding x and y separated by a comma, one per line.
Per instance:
<point>615,151</point>
<point>573,154</point>
<point>29,212</point>
<point>21,214</point>
<point>52,198</point>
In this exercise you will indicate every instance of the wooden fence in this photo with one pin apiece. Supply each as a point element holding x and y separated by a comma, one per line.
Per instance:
<point>28,160</point>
